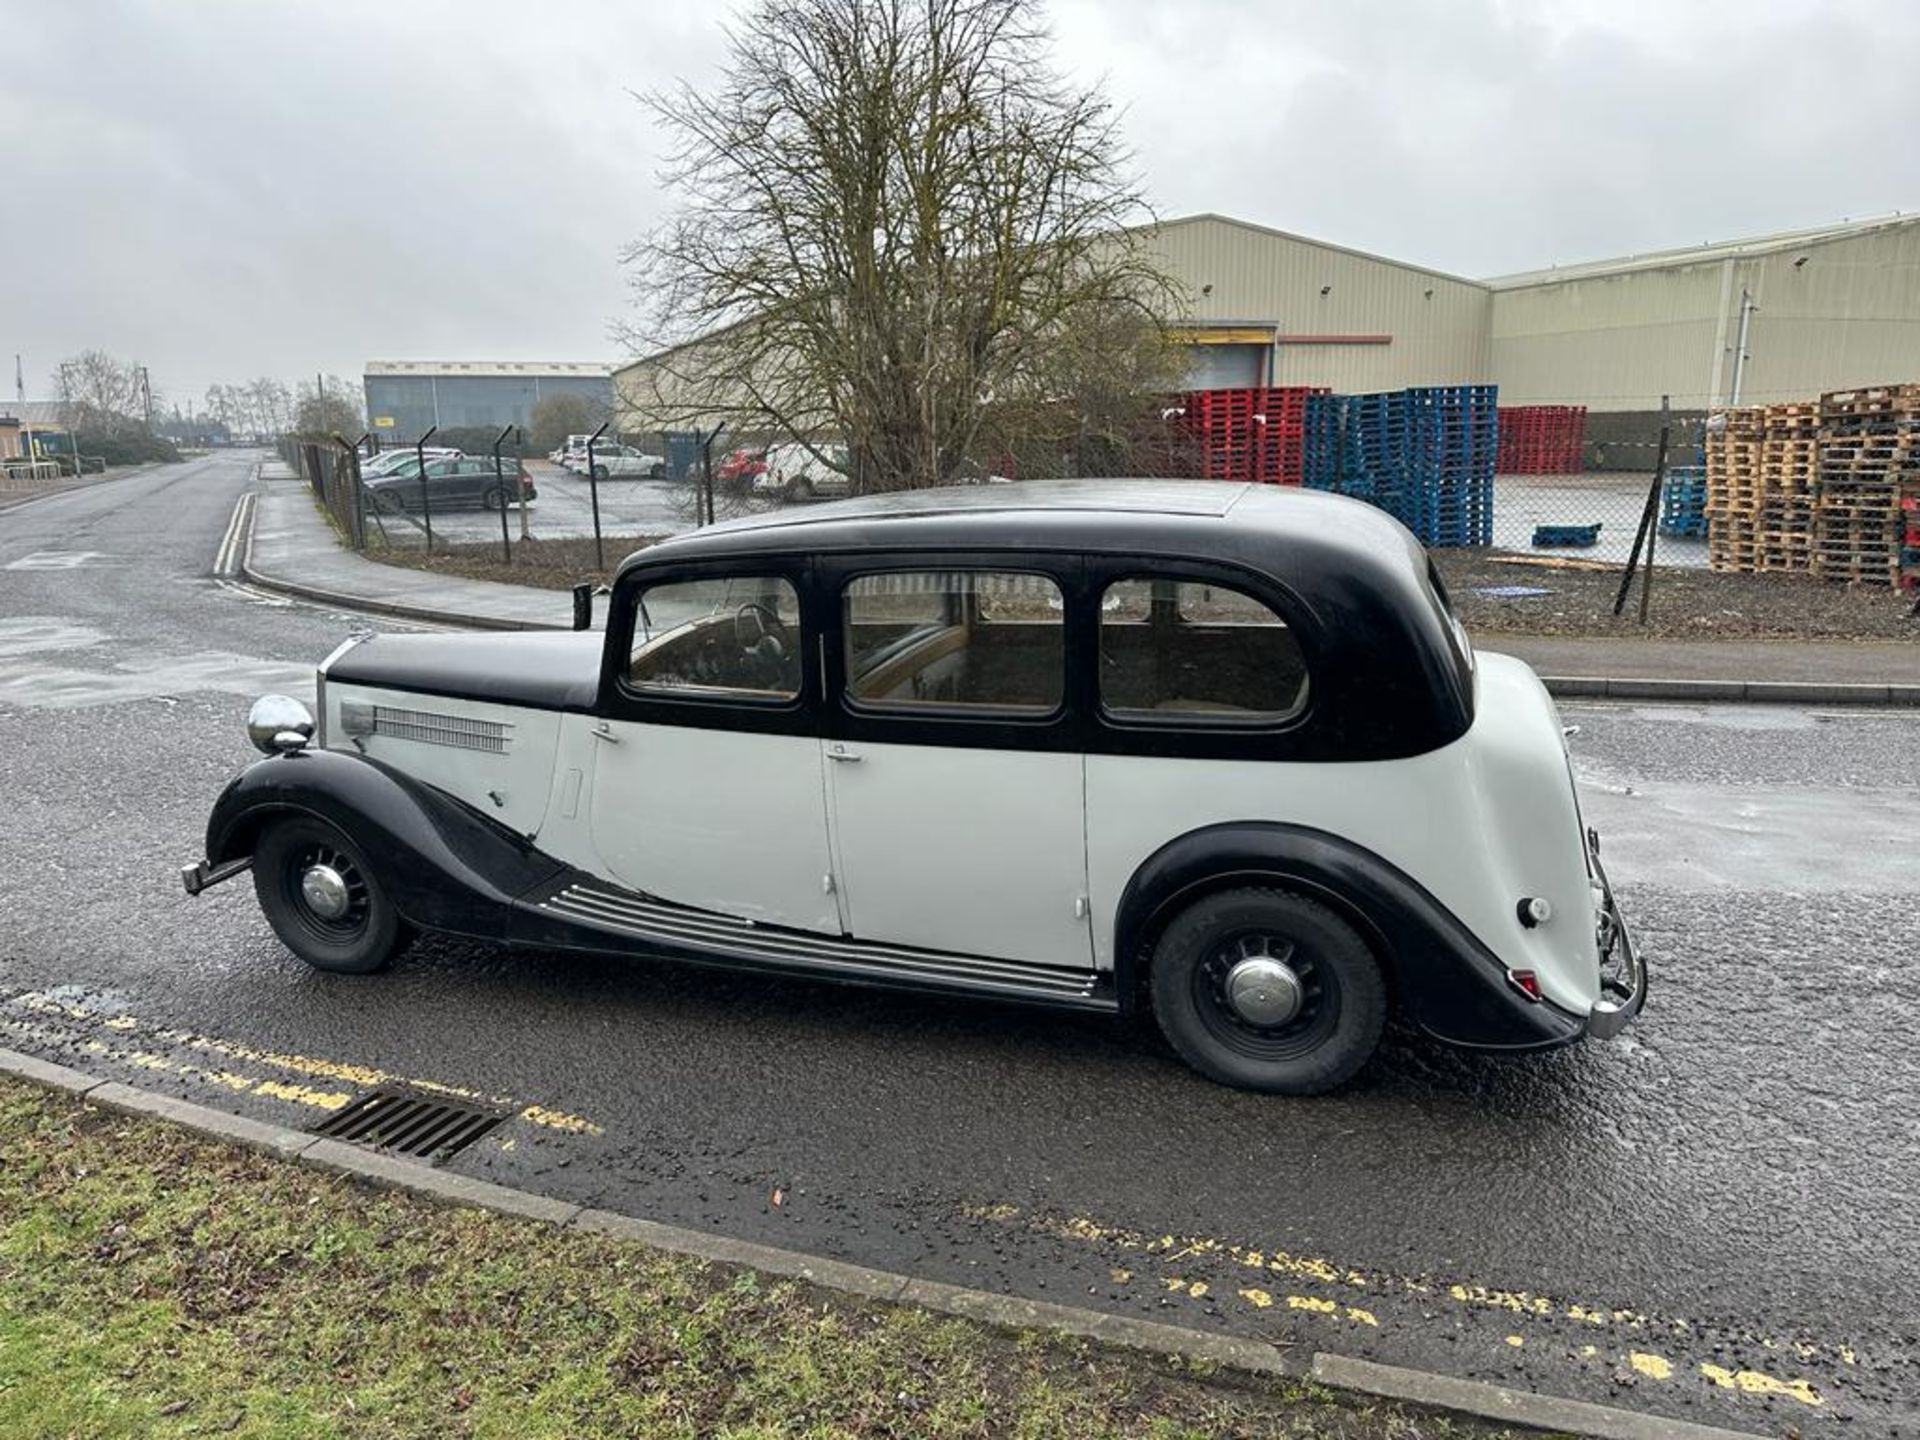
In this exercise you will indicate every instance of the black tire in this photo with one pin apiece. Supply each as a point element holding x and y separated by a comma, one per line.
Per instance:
<point>366,938</point>
<point>493,498</point>
<point>1342,1004</point>
<point>600,472</point>
<point>658,472</point>
<point>802,488</point>
<point>390,502</point>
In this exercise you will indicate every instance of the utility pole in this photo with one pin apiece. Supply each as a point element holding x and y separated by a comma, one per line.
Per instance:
<point>146,397</point>
<point>19,380</point>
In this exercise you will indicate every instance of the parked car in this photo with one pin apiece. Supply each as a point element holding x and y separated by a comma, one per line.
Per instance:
<point>624,462</point>
<point>1221,752</point>
<point>453,484</point>
<point>800,472</point>
<point>401,462</point>
<point>739,466</point>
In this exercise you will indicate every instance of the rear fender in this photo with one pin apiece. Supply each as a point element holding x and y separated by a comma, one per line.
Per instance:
<point>446,866</point>
<point>1448,983</point>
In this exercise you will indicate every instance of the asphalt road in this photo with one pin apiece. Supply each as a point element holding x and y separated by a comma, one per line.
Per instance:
<point>1715,1216</point>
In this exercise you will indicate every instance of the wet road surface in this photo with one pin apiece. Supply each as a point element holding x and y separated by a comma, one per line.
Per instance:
<point>1715,1216</point>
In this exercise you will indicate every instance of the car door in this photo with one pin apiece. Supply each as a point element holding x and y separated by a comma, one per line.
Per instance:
<point>707,785</point>
<point>954,778</point>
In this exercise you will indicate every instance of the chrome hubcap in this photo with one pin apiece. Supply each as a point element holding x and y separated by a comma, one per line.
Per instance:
<point>1263,990</point>
<point>325,891</point>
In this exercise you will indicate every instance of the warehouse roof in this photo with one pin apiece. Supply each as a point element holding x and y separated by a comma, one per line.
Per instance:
<point>590,368</point>
<point>40,414</point>
<point>1704,253</point>
<point>1209,217</point>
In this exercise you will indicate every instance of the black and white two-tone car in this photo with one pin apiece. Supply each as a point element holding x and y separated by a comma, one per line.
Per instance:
<point>1218,752</point>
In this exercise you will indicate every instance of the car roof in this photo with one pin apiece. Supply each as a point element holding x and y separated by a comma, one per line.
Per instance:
<point>1388,675</point>
<point>1203,518</point>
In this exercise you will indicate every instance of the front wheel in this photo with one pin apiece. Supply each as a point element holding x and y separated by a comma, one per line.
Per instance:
<point>1264,989</point>
<point>322,900</point>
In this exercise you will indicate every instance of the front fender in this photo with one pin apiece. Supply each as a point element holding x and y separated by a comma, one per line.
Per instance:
<point>446,866</point>
<point>1449,983</point>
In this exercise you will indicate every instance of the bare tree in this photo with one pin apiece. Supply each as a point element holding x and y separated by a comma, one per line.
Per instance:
<point>328,405</point>
<point>895,210</point>
<point>561,414</point>
<point>100,395</point>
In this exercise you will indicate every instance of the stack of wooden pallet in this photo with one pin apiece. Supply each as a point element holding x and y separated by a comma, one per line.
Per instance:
<point>1817,488</point>
<point>1869,468</point>
<point>1734,492</point>
<point>1790,472</point>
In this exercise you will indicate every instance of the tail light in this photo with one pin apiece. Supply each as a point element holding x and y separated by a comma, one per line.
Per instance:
<point>1526,982</point>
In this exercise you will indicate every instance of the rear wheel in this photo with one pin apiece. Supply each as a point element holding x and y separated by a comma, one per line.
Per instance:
<point>1267,990</point>
<point>600,472</point>
<point>658,472</point>
<point>322,900</point>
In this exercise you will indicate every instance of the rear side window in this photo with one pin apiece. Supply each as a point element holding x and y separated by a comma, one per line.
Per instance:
<point>955,639</point>
<point>1185,649</point>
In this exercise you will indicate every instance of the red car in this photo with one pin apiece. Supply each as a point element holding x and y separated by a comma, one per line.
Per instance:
<point>740,466</point>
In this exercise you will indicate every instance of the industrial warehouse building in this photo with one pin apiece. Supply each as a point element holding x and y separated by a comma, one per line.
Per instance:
<point>1819,310</point>
<point>406,398</point>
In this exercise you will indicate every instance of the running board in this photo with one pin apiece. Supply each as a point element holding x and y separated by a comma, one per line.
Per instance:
<point>623,912</point>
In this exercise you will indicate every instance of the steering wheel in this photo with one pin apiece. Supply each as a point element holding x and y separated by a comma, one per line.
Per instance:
<point>754,623</point>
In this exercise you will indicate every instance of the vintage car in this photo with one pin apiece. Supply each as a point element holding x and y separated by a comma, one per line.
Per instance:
<point>1217,752</point>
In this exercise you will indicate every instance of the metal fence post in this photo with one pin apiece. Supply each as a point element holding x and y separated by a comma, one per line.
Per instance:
<point>593,489</point>
<point>347,514</point>
<point>500,479</point>
<point>426,504</point>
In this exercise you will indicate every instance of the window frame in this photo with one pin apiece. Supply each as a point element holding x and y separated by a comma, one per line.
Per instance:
<point>1196,722</point>
<point>714,710</point>
<point>845,717</point>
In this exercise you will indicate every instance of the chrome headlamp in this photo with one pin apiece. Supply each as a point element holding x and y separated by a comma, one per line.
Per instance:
<point>279,725</point>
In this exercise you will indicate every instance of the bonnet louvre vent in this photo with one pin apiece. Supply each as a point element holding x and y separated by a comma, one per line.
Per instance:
<point>427,727</point>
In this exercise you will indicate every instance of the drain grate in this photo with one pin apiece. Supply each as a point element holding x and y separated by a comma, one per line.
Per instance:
<point>427,1129</point>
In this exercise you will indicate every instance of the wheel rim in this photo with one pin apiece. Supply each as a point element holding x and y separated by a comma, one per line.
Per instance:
<point>325,888</point>
<point>1260,973</point>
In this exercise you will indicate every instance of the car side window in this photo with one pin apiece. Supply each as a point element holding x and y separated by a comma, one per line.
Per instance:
<point>735,637</point>
<point>955,639</point>
<point>1173,649</point>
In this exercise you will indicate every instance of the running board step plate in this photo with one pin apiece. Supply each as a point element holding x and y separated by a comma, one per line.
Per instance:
<point>623,912</point>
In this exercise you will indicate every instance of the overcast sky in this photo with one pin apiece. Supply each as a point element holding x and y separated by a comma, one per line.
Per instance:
<point>228,188</point>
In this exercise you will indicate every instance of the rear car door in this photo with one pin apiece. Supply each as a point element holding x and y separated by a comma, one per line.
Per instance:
<point>954,778</point>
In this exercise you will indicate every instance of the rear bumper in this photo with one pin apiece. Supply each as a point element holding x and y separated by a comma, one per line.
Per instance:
<point>1623,973</point>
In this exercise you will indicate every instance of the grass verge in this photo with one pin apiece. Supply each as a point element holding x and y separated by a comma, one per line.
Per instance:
<point>153,1283</point>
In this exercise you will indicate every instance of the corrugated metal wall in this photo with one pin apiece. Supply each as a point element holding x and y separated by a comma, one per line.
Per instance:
<point>1438,327</point>
<point>1849,315</point>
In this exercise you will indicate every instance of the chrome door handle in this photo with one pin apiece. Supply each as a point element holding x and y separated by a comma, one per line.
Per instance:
<point>842,754</point>
<point>604,731</point>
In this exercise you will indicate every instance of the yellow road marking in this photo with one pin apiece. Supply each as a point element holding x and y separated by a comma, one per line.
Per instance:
<point>1654,1367</point>
<point>1756,1382</point>
<point>1516,1341</point>
<point>1519,1303</point>
<point>304,1065</point>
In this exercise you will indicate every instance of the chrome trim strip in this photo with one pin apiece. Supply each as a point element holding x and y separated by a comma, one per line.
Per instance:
<point>631,914</point>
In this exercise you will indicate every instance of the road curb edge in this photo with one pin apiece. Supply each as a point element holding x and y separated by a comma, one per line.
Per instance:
<point>1472,1397</point>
